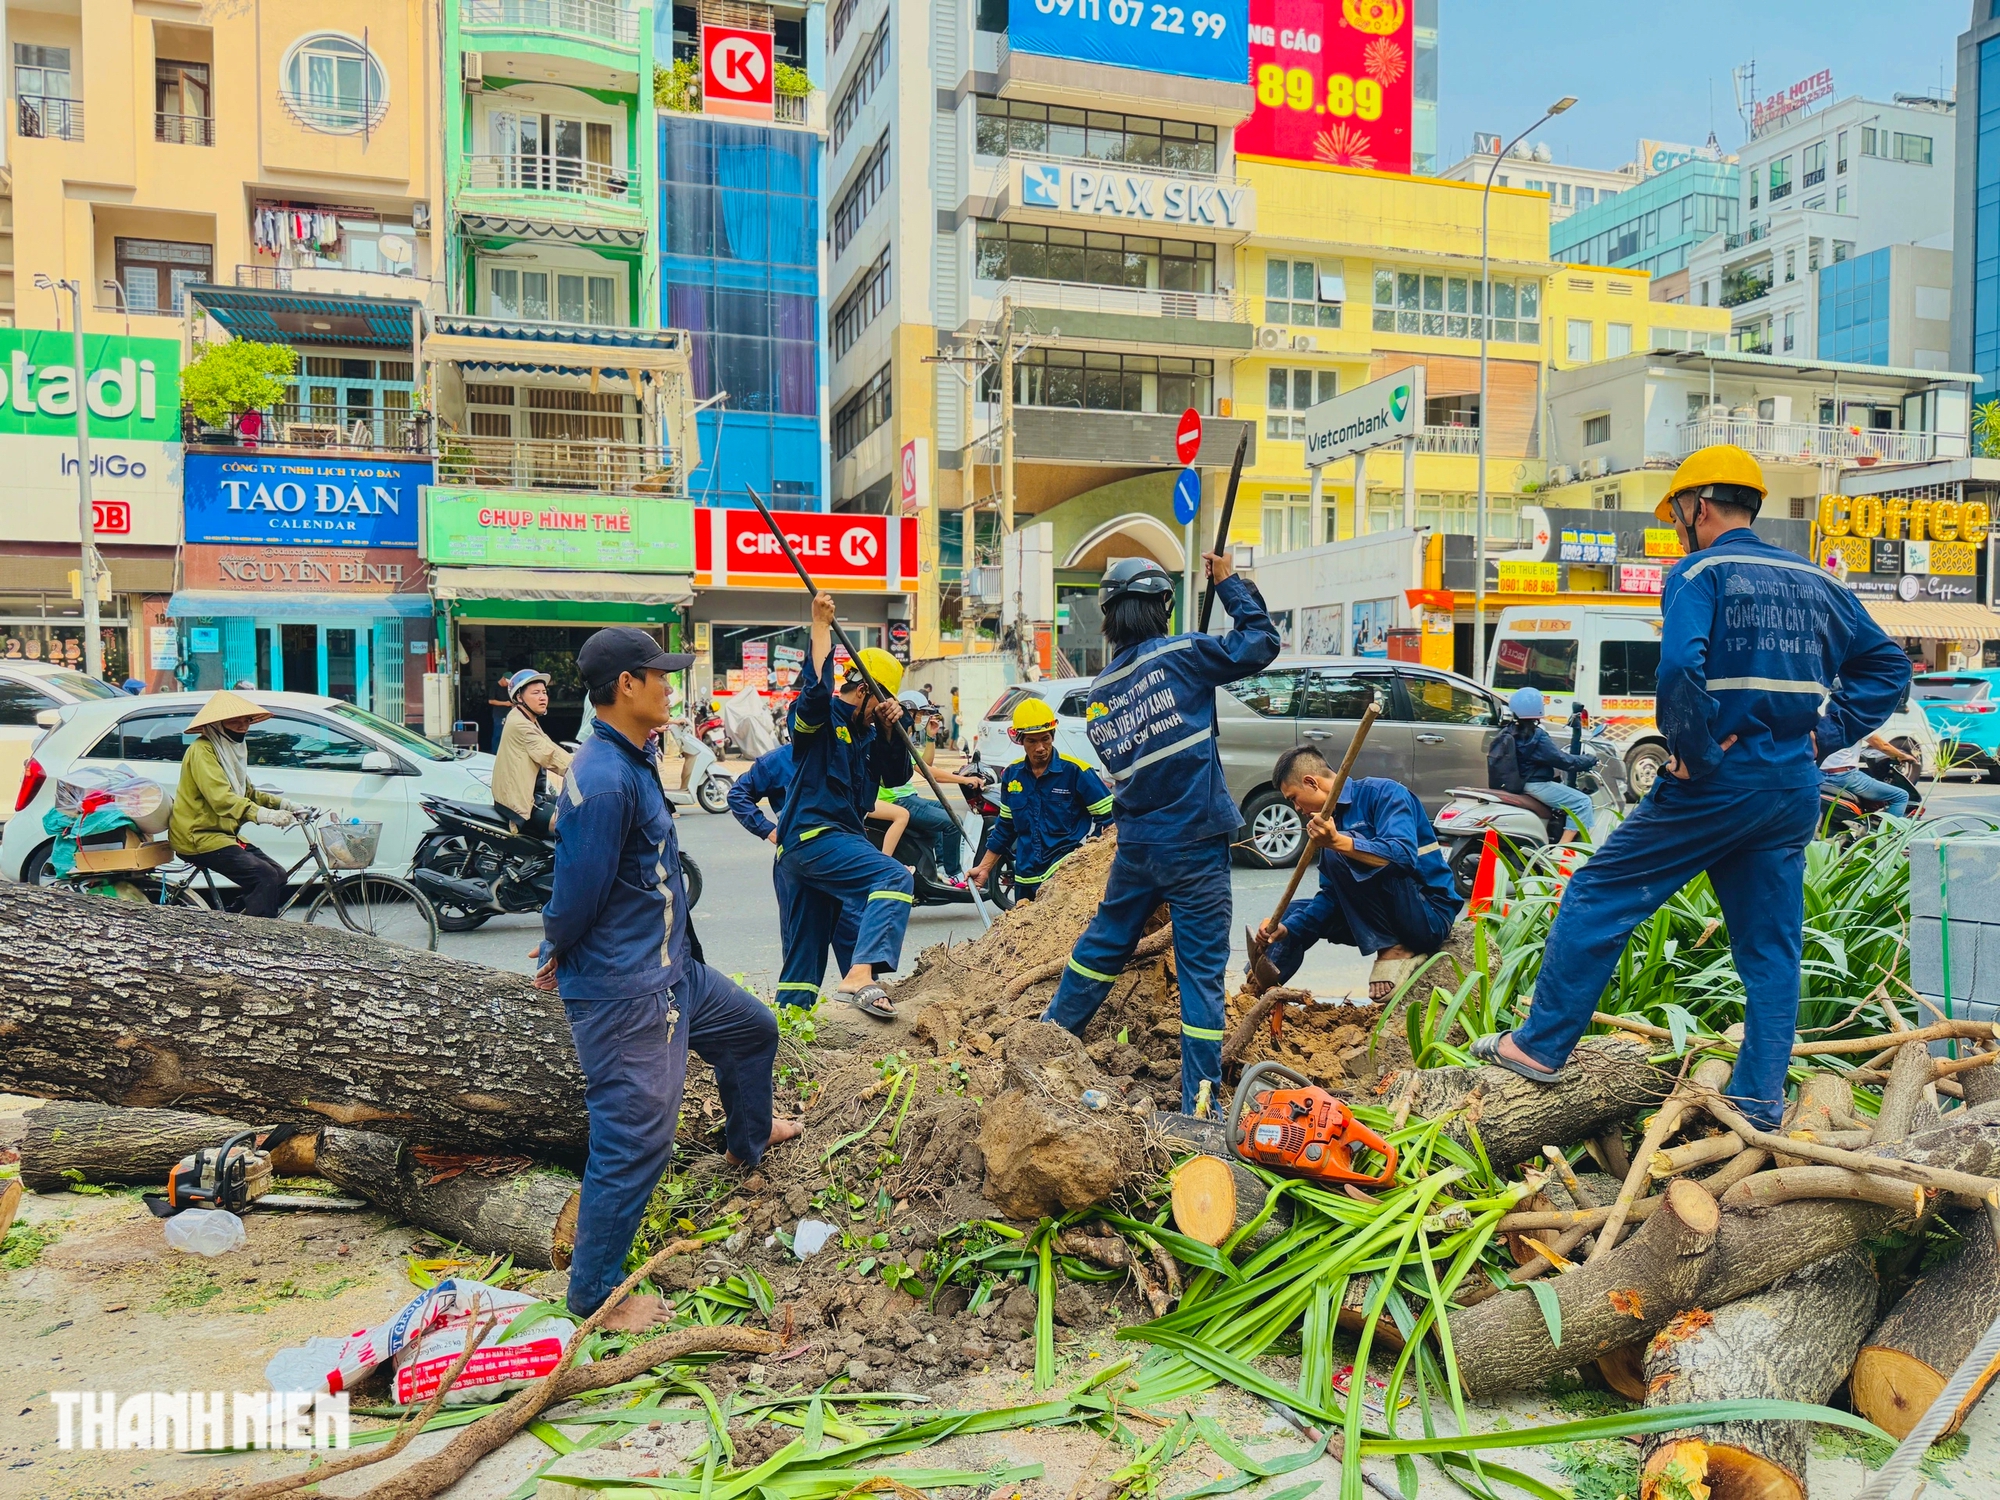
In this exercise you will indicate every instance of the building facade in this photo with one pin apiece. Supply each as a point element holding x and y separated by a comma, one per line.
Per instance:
<point>1653,225</point>
<point>1534,169</point>
<point>1975,285</point>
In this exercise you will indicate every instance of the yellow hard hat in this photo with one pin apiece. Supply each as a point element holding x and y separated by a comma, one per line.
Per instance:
<point>1033,716</point>
<point>1719,463</point>
<point>222,707</point>
<point>884,668</point>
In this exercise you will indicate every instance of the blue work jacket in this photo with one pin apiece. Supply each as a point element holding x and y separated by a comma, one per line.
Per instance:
<point>1384,817</point>
<point>766,781</point>
<point>839,759</point>
<point>617,916</point>
<point>1763,644</point>
<point>1151,719</point>
<point>1540,758</point>
<point>1044,817</point>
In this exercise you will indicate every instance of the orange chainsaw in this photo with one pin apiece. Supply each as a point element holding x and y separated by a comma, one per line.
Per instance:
<point>1302,1131</point>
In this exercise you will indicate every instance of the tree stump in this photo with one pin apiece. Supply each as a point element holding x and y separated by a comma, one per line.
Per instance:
<point>1907,1360</point>
<point>1795,1341</point>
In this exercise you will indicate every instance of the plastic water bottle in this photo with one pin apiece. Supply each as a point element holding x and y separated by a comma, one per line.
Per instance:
<point>206,1231</point>
<point>1094,1099</point>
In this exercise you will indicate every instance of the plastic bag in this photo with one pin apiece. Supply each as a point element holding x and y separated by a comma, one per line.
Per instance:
<point>748,718</point>
<point>88,789</point>
<point>206,1231</point>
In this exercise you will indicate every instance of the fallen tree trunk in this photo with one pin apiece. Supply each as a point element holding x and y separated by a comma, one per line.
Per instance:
<point>1607,1079</point>
<point>1793,1342</point>
<point>80,1141</point>
<point>1907,1360</point>
<point>530,1215</point>
<point>137,1005</point>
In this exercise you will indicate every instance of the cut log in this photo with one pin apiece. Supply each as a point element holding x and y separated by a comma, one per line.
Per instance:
<point>1907,1360</point>
<point>80,1141</point>
<point>1607,1079</point>
<point>10,1204</point>
<point>1981,1085</point>
<point>1187,1133</point>
<point>1904,1093</point>
<point>281,1022</point>
<point>1204,1199</point>
<point>1789,1184</point>
<point>530,1215</point>
<point>1793,1341</point>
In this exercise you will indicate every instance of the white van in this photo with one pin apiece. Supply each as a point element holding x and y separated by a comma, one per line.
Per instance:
<point>1607,657</point>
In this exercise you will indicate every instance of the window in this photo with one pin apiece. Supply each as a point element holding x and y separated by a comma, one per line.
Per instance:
<point>183,111</point>
<point>145,737</point>
<point>1289,394</point>
<point>859,307</point>
<point>991,15</point>
<point>1842,250</point>
<point>870,183</point>
<point>1873,141</point>
<point>1548,665</point>
<point>1303,293</point>
<point>1781,178</point>
<point>1438,700</point>
<point>1840,199</point>
<point>1913,148</point>
<point>1331,694</point>
<point>1617,340</point>
<point>1585,197</point>
<point>1288,523</point>
<point>1094,257</point>
<point>1269,695</point>
<point>45,108</point>
<point>874,67</point>
<point>1628,669</point>
<point>863,412</point>
<point>1840,152</point>
<point>157,273</point>
<point>1596,430</point>
<point>333,84</point>
<point>1004,126</point>
<point>1791,331</point>
<point>1565,195</point>
<point>284,742</point>
<point>1579,340</point>
<point>19,704</point>
<point>1090,381</point>
<point>1440,306</point>
<point>514,292</point>
<point>1814,164</point>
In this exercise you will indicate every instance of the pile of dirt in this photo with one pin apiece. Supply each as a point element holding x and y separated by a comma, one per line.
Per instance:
<point>1328,1042</point>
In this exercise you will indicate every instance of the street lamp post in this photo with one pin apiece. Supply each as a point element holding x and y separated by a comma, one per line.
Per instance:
<point>1479,670</point>
<point>93,642</point>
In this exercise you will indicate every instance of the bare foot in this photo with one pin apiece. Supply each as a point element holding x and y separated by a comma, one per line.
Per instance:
<point>781,1130</point>
<point>635,1315</point>
<point>1514,1054</point>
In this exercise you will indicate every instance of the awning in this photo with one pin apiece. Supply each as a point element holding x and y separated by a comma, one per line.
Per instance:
<point>1935,622</point>
<point>491,347</point>
<point>513,227</point>
<point>531,585</point>
<point>275,317</point>
<point>198,604</point>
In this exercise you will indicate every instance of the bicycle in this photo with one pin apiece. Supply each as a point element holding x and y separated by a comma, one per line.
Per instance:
<point>344,893</point>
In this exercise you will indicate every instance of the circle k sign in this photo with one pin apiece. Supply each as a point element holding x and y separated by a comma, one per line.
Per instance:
<point>737,65</point>
<point>859,546</point>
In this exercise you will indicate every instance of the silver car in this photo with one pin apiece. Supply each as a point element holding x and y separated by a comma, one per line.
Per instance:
<point>1432,736</point>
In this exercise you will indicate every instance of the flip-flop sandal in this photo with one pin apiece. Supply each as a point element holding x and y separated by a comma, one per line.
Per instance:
<point>1487,1050</point>
<point>871,1000</point>
<point>1387,974</point>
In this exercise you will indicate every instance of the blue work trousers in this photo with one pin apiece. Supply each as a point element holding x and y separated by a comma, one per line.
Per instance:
<point>937,824</point>
<point>1751,841</point>
<point>845,928</point>
<point>634,1055</point>
<point>1193,879</point>
<point>1386,911</point>
<point>831,872</point>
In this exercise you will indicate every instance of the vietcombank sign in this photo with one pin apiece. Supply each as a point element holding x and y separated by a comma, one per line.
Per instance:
<point>1370,416</point>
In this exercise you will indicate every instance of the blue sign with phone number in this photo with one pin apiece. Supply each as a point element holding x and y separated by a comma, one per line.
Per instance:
<point>1202,39</point>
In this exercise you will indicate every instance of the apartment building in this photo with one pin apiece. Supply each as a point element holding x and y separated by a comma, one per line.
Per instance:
<point>1534,168</point>
<point>1975,189</point>
<point>1820,189</point>
<point>1653,226</point>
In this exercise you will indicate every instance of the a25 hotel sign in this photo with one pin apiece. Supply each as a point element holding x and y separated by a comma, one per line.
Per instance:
<point>1134,197</point>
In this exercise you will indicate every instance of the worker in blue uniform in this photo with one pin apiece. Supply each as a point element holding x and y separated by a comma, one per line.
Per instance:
<point>1384,886</point>
<point>1151,719</point>
<point>1767,666</point>
<point>843,749</point>
<point>1049,804</point>
<point>766,782</point>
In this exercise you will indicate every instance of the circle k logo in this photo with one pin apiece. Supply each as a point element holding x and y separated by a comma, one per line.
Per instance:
<point>735,64</point>
<point>858,546</point>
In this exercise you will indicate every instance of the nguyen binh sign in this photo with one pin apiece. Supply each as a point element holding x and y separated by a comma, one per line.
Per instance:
<point>587,533</point>
<point>1204,39</point>
<point>1334,82</point>
<point>1369,416</point>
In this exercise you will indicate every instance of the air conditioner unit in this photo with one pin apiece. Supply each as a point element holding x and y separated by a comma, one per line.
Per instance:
<point>1559,474</point>
<point>1304,341</point>
<point>1594,468</point>
<point>420,217</point>
<point>1270,336</point>
<point>472,66</point>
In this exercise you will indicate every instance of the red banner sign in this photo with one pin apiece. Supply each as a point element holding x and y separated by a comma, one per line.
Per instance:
<point>735,547</point>
<point>1333,80</point>
<point>736,72</point>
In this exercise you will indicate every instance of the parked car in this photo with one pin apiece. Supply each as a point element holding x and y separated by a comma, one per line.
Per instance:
<point>31,693</point>
<point>320,751</point>
<point>1964,711</point>
<point>1068,696</point>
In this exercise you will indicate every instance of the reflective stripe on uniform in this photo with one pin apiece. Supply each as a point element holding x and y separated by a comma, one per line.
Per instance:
<point>1185,643</point>
<point>1201,1033</point>
<point>1093,974</point>
<point>1795,565</point>
<point>790,984</point>
<point>1200,737</point>
<point>1006,811</point>
<point>798,728</point>
<point>1765,685</point>
<point>891,896</point>
<point>575,790</point>
<point>1430,849</point>
<point>1099,808</point>
<point>810,833</point>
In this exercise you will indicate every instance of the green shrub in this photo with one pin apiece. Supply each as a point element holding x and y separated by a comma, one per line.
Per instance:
<point>226,380</point>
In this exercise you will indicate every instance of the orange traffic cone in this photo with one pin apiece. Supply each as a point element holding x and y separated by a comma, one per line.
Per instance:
<point>1489,870</point>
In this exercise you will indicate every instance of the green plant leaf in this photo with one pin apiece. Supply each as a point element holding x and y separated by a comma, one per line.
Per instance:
<point>1545,1299</point>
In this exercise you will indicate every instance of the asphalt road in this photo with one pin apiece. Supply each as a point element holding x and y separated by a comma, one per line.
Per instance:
<point>738,915</point>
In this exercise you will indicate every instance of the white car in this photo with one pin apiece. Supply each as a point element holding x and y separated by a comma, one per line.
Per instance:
<point>1068,696</point>
<point>319,751</point>
<point>31,693</point>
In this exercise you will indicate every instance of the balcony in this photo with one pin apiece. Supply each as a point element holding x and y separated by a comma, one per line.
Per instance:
<point>1806,442</point>
<point>333,114</point>
<point>564,175</point>
<point>1740,238</point>
<point>1737,290</point>
<point>338,281</point>
<point>184,130</point>
<point>1815,177</point>
<point>592,465</point>
<point>599,21</point>
<point>1780,190</point>
<point>1459,441</point>
<point>1131,302</point>
<point>1121,439</point>
<point>318,427</point>
<point>44,117</point>
<point>793,109</point>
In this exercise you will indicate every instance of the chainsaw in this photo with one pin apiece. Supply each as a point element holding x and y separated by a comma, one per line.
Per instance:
<point>233,1176</point>
<point>1302,1131</point>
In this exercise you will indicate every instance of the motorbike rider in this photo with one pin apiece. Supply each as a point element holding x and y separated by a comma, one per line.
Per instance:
<point>214,800</point>
<point>1842,771</point>
<point>526,755</point>
<point>1540,759</point>
<point>1049,804</point>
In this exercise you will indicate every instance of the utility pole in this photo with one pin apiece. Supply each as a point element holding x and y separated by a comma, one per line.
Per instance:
<point>1006,419</point>
<point>93,640</point>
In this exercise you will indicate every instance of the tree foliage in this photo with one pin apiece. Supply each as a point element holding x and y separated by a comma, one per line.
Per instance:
<point>226,380</point>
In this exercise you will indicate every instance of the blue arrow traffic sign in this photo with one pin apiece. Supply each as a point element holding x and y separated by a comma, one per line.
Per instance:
<point>1187,496</point>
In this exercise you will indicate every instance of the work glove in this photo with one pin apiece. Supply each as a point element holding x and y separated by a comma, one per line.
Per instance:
<point>274,817</point>
<point>296,809</point>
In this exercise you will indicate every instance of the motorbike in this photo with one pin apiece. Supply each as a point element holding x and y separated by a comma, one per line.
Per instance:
<point>473,866</point>
<point>1524,824</point>
<point>714,734</point>
<point>709,784</point>
<point>1842,812</point>
<point>928,883</point>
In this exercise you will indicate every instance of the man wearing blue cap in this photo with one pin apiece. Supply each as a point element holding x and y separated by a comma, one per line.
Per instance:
<point>619,951</point>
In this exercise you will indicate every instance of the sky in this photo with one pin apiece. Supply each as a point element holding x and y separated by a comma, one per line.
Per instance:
<point>1648,70</point>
